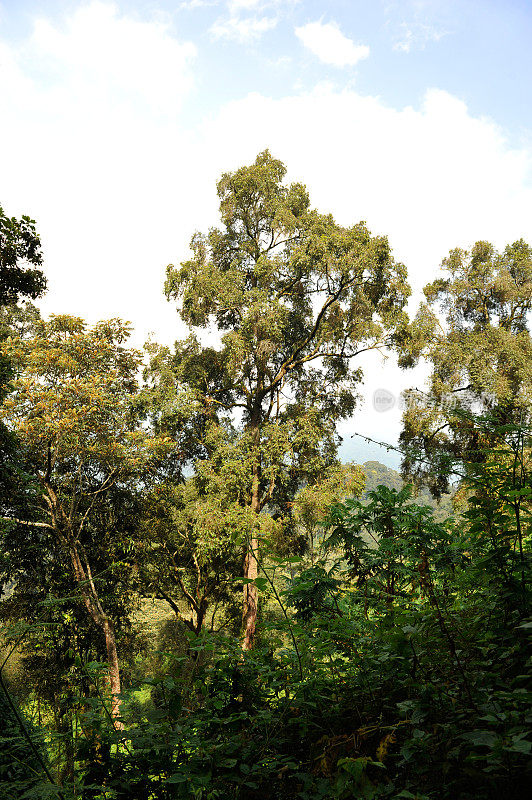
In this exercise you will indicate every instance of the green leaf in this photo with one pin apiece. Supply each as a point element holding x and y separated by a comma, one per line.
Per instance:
<point>179,778</point>
<point>481,738</point>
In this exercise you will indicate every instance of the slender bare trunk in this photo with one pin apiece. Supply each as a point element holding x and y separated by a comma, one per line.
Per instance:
<point>251,567</point>
<point>250,594</point>
<point>114,670</point>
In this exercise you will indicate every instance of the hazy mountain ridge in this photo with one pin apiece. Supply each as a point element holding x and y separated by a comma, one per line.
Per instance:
<point>377,473</point>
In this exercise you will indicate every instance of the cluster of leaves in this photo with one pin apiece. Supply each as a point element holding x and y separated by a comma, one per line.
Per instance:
<point>480,357</point>
<point>20,259</point>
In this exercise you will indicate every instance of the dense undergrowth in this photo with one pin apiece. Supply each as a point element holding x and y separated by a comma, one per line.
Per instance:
<point>395,665</point>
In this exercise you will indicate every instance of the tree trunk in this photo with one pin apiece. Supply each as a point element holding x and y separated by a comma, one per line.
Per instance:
<point>114,670</point>
<point>88,591</point>
<point>67,756</point>
<point>62,524</point>
<point>251,567</point>
<point>249,617</point>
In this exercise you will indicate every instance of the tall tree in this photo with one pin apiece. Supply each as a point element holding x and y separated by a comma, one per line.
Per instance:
<point>294,298</point>
<point>72,410</point>
<point>474,331</point>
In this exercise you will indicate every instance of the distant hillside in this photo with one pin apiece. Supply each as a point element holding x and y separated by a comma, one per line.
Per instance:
<point>377,473</point>
<point>359,450</point>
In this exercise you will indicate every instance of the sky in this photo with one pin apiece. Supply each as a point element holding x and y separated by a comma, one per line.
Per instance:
<point>117,118</point>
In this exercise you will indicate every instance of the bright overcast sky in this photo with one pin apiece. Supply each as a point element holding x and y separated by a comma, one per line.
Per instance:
<point>118,118</point>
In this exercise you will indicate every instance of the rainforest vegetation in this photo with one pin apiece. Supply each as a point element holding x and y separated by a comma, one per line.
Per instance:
<point>197,598</point>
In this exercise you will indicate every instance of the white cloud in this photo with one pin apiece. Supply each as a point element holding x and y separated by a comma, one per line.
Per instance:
<point>243,5</point>
<point>116,56</point>
<point>329,44</point>
<point>246,21</point>
<point>188,5</point>
<point>417,34</point>
<point>237,6</point>
<point>242,29</point>
<point>416,23</point>
<point>90,116</point>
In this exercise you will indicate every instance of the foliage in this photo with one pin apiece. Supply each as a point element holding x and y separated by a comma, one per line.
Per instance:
<point>293,298</point>
<point>481,360</point>
<point>402,671</point>
<point>72,411</point>
<point>378,474</point>
<point>412,687</point>
<point>312,502</point>
<point>189,554</point>
<point>392,659</point>
<point>20,259</point>
<point>20,278</point>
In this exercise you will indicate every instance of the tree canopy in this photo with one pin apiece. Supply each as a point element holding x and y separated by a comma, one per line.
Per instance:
<point>72,410</point>
<point>474,330</point>
<point>294,298</point>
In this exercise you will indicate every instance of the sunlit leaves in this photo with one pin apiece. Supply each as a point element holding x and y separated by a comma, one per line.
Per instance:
<point>73,400</point>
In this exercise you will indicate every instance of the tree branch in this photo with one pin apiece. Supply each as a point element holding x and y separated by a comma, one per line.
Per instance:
<point>28,523</point>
